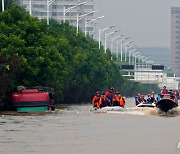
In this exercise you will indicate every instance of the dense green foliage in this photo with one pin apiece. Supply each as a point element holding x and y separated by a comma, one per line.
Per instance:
<point>33,54</point>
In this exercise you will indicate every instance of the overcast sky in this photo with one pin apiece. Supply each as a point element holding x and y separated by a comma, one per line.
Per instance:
<point>146,21</point>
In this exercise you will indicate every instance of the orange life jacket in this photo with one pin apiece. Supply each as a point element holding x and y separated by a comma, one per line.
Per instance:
<point>100,103</point>
<point>115,98</point>
<point>122,101</point>
<point>95,100</point>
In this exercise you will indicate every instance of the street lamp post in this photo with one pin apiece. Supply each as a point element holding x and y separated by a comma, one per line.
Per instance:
<point>87,22</point>
<point>146,62</point>
<point>108,34</point>
<point>101,31</point>
<point>134,58</point>
<point>30,7</point>
<point>112,40</point>
<point>139,66</point>
<point>134,54</point>
<point>126,49</point>
<point>130,51</point>
<point>2,5</point>
<point>117,50</point>
<point>79,18</point>
<point>140,59</point>
<point>48,4</point>
<point>65,11</point>
<point>122,46</point>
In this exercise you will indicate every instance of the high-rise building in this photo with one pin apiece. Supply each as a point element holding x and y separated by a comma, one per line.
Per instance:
<point>175,40</point>
<point>56,11</point>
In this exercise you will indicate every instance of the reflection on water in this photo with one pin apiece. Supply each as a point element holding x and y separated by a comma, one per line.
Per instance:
<point>77,130</point>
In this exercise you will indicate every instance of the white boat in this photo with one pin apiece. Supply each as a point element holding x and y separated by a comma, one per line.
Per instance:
<point>109,108</point>
<point>144,104</point>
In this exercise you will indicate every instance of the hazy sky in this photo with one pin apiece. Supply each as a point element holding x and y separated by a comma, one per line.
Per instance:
<point>146,21</point>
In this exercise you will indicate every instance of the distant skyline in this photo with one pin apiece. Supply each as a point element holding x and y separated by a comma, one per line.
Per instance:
<point>148,22</point>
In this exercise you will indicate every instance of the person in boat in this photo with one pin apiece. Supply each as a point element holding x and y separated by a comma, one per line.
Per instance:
<point>122,100</point>
<point>138,99</point>
<point>150,98</point>
<point>109,96</point>
<point>102,100</point>
<point>164,91</point>
<point>118,100</point>
<point>153,97</point>
<point>115,101</point>
<point>143,99</point>
<point>159,97</point>
<point>172,95</point>
<point>96,99</point>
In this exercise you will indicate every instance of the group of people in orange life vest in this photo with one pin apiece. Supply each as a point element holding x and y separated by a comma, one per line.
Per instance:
<point>102,99</point>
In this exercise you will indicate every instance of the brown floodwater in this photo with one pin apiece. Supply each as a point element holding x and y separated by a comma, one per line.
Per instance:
<point>75,129</point>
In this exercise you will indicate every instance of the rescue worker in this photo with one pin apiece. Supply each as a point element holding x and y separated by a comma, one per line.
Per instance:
<point>109,96</point>
<point>138,99</point>
<point>118,100</point>
<point>159,97</point>
<point>172,95</point>
<point>142,98</point>
<point>102,100</point>
<point>96,99</point>
<point>150,98</point>
<point>164,91</point>
<point>122,101</point>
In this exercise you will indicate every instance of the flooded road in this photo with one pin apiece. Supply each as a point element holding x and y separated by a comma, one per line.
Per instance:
<point>77,130</point>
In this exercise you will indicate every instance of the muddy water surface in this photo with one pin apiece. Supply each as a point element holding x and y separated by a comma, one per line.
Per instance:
<point>75,129</point>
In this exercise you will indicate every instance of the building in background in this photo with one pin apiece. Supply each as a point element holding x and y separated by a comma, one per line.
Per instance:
<point>56,11</point>
<point>175,40</point>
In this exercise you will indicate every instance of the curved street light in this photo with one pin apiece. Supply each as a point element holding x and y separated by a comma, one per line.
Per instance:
<point>80,17</point>
<point>101,31</point>
<point>117,52</point>
<point>48,4</point>
<point>127,48</point>
<point>86,23</point>
<point>146,62</point>
<point>134,57</point>
<point>140,59</point>
<point>137,54</point>
<point>112,40</point>
<point>70,8</point>
<point>130,51</point>
<point>122,40</point>
<point>106,36</point>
